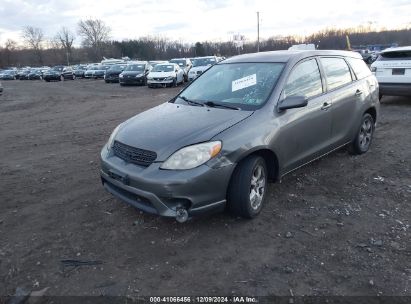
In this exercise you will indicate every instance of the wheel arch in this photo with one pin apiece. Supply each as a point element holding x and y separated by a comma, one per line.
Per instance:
<point>373,112</point>
<point>270,158</point>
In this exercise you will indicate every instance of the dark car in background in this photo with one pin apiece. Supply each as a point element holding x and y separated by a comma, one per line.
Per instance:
<point>244,122</point>
<point>35,74</point>
<point>8,75</point>
<point>1,88</point>
<point>135,73</point>
<point>112,74</point>
<point>68,74</point>
<point>96,71</point>
<point>55,73</point>
<point>23,74</point>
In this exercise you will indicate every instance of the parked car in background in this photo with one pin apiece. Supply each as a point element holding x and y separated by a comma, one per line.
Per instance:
<point>54,73</point>
<point>184,64</point>
<point>90,71</point>
<point>35,74</point>
<point>165,74</point>
<point>266,115</point>
<point>79,70</point>
<point>68,74</point>
<point>153,63</point>
<point>100,71</point>
<point>112,74</point>
<point>393,71</point>
<point>8,75</point>
<point>23,74</point>
<point>135,73</point>
<point>200,64</point>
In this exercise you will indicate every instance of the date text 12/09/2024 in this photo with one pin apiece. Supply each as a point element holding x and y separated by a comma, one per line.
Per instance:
<point>232,299</point>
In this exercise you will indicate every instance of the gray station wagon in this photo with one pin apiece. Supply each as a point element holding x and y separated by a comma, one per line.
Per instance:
<point>246,121</point>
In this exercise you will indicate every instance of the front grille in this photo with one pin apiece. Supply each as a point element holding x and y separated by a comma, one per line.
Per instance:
<point>159,78</point>
<point>134,155</point>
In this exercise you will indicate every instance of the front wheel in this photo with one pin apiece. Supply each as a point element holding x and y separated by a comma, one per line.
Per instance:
<point>363,138</point>
<point>248,186</point>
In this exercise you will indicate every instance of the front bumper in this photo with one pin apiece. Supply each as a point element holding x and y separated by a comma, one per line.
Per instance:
<point>112,78</point>
<point>163,192</point>
<point>131,80</point>
<point>395,89</point>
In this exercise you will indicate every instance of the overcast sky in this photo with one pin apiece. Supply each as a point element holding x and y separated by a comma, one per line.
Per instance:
<point>199,20</point>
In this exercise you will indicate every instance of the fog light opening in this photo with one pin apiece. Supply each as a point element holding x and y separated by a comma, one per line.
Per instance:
<point>181,215</point>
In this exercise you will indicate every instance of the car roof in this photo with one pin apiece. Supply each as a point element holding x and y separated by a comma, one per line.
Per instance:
<point>397,49</point>
<point>286,55</point>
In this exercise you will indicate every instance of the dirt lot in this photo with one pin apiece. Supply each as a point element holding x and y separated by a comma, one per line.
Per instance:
<point>340,226</point>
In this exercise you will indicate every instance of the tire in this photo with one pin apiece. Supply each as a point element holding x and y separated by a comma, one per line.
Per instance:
<point>250,174</point>
<point>47,80</point>
<point>174,84</point>
<point>379,96</point>
<point>363,137</point>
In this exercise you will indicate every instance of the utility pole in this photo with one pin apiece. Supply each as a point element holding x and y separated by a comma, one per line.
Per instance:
<point>258,32</point>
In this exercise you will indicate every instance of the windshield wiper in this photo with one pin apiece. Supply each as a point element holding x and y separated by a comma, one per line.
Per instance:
<point>212,104</point>
<point>192,102</point>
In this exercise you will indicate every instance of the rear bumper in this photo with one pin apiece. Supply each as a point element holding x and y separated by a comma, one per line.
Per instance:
<point>395,89</point>
<point>163,192</point>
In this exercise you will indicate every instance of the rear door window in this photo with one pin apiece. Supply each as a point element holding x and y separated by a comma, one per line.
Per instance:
<point>336,71</point>
<point>361,70</point>
<point>304,80</point>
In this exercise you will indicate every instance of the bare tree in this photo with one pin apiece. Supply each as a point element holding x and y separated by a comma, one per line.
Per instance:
<point>66,38</point>
<point>34,36</point>
<point>9,48</point>
<point>94,33</point>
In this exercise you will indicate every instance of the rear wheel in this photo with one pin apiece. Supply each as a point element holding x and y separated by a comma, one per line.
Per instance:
<point>363,138</point>
<point>248,187</point>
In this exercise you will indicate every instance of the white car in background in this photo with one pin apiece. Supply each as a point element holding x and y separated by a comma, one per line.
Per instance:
<point>185,64</point>
<point>393,71</point>
<point>200,65</point>
<point>165,74</point>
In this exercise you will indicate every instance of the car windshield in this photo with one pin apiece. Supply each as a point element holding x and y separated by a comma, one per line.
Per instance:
<point>59,69</point>
<point>242,85</point>
<point>179,62</point>
<point>134,67</point>
<point>396,55</point>
<point>163,68</point>
<point>117,68</point>
<point>203,61</point>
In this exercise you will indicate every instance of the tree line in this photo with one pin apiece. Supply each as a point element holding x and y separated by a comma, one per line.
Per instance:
<point>96,43</point>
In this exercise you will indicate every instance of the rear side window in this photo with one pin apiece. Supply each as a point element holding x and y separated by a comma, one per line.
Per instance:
<point>304,80</point>
<point>395,55</point>
<point>361,70</point>
<point>336,71</point>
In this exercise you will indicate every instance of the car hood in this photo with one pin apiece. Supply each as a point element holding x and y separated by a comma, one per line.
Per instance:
<point>161,74</point>
<point>169,127</point>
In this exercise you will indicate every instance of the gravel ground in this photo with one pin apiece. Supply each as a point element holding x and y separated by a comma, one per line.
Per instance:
<point>339,226</point>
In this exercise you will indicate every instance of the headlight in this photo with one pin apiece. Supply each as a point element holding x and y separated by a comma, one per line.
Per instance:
<point>121,76</point>
<point>112,137</point>
<point>192,156</point>
<point>139,75</point>
<point>149,78</point>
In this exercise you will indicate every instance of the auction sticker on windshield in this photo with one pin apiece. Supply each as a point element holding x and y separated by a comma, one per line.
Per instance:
<point>244,82</point>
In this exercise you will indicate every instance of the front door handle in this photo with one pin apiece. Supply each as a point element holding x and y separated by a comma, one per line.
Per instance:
<point>358,93</point>
<point>326,105</point>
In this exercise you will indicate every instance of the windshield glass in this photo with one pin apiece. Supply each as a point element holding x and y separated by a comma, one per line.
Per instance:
<point>180,62</point>
<point>163,68</point>
<point>203,61</point>
<point>58,69</point>
<point>243,85</point>
<point>115,68</point>
<point>134,67</point>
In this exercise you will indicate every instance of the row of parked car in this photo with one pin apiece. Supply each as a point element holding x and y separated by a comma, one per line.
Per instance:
<point>150,73</point>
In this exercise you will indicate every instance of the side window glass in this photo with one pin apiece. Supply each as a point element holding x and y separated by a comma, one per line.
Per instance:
<point>336,71</point>
<point>304,80</point>
<point>361,70</point>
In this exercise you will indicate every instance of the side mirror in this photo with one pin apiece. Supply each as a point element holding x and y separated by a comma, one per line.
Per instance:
<point>292,102</point>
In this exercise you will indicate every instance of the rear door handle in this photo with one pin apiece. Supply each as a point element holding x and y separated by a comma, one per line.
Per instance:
<point>326,105</point>
<point>358,93</point>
